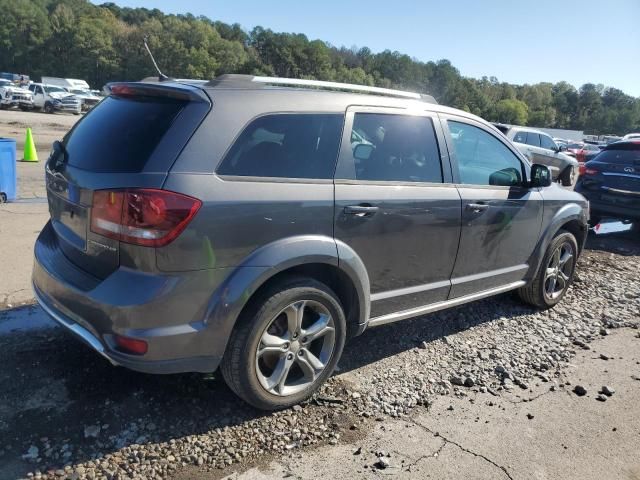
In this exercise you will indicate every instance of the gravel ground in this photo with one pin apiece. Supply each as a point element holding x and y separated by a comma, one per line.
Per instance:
<point>67,414</point>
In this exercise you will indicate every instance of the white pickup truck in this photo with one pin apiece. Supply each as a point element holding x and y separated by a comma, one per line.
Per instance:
<point>11,95</point>
<point>51,99</point>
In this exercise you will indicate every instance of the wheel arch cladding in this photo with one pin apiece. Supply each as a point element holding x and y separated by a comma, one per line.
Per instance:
<point>313,256</point>
<point>570,217</point>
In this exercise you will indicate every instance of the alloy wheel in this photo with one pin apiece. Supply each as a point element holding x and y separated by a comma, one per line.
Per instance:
<point>295,348</point>
<point>559,269</point>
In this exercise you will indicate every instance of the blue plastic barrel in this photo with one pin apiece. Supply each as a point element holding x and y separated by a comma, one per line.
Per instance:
<point>8,178</point>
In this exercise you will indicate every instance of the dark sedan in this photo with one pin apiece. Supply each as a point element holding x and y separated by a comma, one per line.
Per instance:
<point>611,182</point>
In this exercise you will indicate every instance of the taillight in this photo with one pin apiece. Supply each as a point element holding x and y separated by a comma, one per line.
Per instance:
<point>590,171</point>
<point>144,216</point>
<point>581,169</point>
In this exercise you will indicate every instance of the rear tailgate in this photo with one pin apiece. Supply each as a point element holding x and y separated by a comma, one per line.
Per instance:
<point>129,140</point>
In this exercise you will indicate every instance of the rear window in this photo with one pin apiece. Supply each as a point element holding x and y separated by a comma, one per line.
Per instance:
<point>120,134</point>
<point>286,146</point>
<point>626,156</point>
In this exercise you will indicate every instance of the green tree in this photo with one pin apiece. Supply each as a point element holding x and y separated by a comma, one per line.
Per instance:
<point>512,111</point>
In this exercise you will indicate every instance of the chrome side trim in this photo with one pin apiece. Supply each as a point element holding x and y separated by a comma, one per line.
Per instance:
<point>490,274</point>
<point>409,290</point>
<point>617,190</point>
<point>75,328</point>
<point>434,307</point>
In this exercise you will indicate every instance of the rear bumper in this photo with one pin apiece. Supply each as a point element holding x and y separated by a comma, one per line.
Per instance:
<point>625,208</point>
<point>170,313</point>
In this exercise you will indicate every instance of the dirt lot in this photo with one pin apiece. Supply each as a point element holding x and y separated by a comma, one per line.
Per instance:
<point>482,391</point>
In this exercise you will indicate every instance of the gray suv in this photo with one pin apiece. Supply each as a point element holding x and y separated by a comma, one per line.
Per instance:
<point>255,224</point>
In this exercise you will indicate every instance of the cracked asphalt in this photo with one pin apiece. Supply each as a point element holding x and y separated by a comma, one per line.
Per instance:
<point>544,435</point>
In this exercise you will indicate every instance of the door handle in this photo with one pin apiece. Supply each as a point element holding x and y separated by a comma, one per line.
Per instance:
<point>360,210</point>
<point>477,207</point>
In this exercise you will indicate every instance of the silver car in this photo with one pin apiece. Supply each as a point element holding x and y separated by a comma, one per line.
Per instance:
<point>540,148</point>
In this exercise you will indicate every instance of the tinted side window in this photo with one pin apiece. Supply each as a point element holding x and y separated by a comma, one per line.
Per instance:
<point>286,146</point>
<point>533,139</point>
<point>482,158</point>
<point>547,142</point>
<point>399,148</point>
<point>520,137</point>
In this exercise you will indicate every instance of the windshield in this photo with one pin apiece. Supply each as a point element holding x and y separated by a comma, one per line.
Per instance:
<point>79,91</point>
<point>52,89</point>
<point>6,83</point>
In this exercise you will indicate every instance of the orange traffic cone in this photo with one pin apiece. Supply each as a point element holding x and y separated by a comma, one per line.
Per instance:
<point>30,152</point>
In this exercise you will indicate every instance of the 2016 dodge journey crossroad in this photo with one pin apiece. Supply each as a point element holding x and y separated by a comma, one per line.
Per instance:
<point>255,224</point>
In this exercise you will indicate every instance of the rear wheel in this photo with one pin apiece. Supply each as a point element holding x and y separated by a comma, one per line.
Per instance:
<point>568,176</point>
<point>286,345</point>
<point>555,273</point>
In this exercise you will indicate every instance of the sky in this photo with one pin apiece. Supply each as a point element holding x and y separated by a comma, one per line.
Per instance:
<point>578,41</point>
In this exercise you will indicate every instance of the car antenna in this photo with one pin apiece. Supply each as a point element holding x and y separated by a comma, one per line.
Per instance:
<point>161,76</point>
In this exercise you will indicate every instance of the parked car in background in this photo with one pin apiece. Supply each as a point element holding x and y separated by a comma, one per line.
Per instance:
<point>66,82</point>
<point>631,136</point>
<point>87,97</point>
<point>12,95</point>
<point>587,152</point>
<point>292,233</point>
<point>611,182</point>
<point>51,99</point>
<point>573,148</point>
<point>607,139</point>
<point>540,148</point>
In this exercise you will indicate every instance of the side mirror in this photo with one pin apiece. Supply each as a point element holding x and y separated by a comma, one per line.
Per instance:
<point>540,176</point>
<point>562,148</point>
<point>363,151</point>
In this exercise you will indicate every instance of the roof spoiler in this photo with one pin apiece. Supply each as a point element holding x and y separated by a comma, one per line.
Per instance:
<point>165,89</point>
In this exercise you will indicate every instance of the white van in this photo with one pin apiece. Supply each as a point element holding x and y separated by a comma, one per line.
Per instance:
<point>66,83</point>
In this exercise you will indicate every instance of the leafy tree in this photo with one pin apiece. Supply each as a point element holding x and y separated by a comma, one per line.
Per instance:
<point>512,111</point>
<point>102,43</point>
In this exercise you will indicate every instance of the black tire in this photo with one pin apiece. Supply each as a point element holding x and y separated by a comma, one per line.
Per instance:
<point>536,293</point>
<point>239,364</point>
<point>48,108</point>
<point>568,177</point>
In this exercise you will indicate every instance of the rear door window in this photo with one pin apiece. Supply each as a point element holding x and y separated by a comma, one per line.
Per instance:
<point>400,148</point>
<point>533,139</point>
<point>120,134</point>
<point>286,146</point>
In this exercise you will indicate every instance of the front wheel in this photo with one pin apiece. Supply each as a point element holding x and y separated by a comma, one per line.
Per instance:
<point>48,108</point>
<point>286,345</point>
<point>555,273</point>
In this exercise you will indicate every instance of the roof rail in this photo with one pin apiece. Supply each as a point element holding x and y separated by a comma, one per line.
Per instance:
<point>349,87</point>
